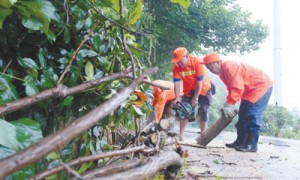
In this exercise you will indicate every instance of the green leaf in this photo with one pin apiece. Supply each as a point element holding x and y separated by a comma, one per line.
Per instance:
<point>31,88</point>
<point>51,36</point>
<point>8,135</point>
<point>97,41</point>
<point>28,132</point>
<point>3,14</point>
<point>7,3</point>
<point>138,111</point>
<point>110,95</point>
<point>41,55</point>
<point>87,53</point>
<point>136,13</point>
<point>106,3</point>
<point>24,173</point>
<point>102,60</point>
<point>68,101</point>
<point>67,35</point>
<point>183,3</point>
<point>88,23</point>
<point>47,8</point>
<point>84,167</point>
<point>48,78</point>
<point>7,90</point>
<point>89,71</point>
<point>32,23</point>
<point>79,25</point>
<point>52,155</point>
<point>36,13</point>
<point>116,5</point>
<point>27,63</point>
<point>5,151</point>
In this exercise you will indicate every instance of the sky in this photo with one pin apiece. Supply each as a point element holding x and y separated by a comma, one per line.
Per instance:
<point>289,43</point>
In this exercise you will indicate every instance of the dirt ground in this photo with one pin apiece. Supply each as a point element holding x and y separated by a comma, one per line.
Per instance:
<point>275,159</point>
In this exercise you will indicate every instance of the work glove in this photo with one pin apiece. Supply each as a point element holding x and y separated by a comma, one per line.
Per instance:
<point>228,110</point>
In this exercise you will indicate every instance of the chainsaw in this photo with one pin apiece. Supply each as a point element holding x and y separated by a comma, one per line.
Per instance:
<point>185,111</point>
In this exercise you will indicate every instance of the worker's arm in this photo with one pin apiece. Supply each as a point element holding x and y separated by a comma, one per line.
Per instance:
<point>197,93</point>
<point>177,90</point>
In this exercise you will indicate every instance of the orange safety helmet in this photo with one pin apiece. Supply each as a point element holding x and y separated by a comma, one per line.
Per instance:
<point>178,53</point>
<point>210,58</point>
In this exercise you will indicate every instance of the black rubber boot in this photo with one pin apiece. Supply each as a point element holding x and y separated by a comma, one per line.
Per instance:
<point>251,144</point>
<point>237,142</point>
<point>239,139</point>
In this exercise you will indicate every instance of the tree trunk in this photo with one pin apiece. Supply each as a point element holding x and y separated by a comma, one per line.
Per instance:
<point>214,130</point>
<point>139,169</point>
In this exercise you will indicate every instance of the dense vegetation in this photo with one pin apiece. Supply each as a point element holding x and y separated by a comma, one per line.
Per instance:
<point>47,43</point>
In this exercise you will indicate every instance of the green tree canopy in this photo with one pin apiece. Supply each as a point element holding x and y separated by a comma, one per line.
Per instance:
<point>214,25</point>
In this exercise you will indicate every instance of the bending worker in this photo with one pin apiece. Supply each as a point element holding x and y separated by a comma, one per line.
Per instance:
<point>250,85</point>
<point>162,98</point>
<point>196,85</point>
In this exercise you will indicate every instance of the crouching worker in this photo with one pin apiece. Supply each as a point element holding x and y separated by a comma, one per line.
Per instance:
<point>249,85</point>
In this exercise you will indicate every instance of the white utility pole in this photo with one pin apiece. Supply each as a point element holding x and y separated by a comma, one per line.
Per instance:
<point>277,56</point>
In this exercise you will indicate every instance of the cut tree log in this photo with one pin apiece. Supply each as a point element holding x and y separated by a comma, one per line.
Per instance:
<point>139,169</point>
<point>214,130</point>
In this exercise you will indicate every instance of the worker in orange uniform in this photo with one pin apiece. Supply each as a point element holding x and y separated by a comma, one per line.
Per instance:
<point>162,97</point>
<point>196,86</point>
<point>249,85</point>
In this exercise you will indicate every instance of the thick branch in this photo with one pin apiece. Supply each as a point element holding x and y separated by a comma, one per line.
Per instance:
<point>59,91</point>
<point>86,159</point>
<point>214,130</point>
<point>138,169</point>
<point>56,141</point>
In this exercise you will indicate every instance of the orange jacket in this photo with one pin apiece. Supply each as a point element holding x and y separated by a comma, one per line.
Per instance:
<point>190,74</point>
<point>244,81</point>
<point>162,97</point>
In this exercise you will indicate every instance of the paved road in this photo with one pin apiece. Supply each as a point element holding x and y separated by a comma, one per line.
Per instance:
<point>275,159</point>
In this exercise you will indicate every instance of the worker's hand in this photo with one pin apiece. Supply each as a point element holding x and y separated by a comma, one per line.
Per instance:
<point>194,101</point>
<point>175,101</point>
<point>228,110</point>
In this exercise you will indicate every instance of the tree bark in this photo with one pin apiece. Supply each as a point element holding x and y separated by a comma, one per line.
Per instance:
<point>138,169</point>
<point>214,130</point>
<point>56,141</point>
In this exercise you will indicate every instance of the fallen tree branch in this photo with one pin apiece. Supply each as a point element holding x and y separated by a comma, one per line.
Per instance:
<point>59,91</point>
<point>71,171</point>
<point>193,145</point>
<point>138,169</point>
<point>229,163</point>
<point>81,160</point>
<point>56,141</point>
<point>63,91</point>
